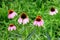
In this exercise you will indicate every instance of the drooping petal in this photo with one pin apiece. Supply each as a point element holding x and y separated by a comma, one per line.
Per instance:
<point>38,21</point>
<point>12,15</point>
<point>20,20</point>
<point>38,24</point>
<point>14,28</point>
<point>56,10</point>
<point>35,23</point>
<point>25,21</point>
<point>41,22</point>
<point>11,27</point>
<point>52,13</point>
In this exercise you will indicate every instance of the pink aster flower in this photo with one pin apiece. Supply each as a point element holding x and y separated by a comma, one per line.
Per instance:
<point>11,14</point>
<point>38,21</point>
<point>53,11</point>
<point>23,19</point>
<point>11,27</point>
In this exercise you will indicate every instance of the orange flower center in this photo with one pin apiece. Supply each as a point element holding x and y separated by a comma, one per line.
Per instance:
<point>11,25</point>
<point>23,16</point>
<point>52,9</point>
<point>10,11</point>
<point>38,18</point>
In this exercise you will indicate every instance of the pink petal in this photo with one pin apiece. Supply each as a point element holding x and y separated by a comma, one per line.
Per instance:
<point>35,23</point>
<point>20,20</point>
<point>14,13</point>
<point>14,27</point>
<point>41,22</point>
<point>10,16</point>
<point>25,21</point>
<point>52,13</point>
<point>10,28</point>
<point>38,24</point>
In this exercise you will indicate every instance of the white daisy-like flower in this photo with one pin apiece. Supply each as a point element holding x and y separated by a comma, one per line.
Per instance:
<point>53,11</point>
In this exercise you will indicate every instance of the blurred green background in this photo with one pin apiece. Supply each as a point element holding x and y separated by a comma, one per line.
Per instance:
<point>50,30</point>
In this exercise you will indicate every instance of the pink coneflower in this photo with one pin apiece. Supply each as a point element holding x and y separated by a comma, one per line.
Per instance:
<point>38,21</point>
<point>11,14</point>
<point>11,27</point>
<point>23,19</point>
<point>53,11</point>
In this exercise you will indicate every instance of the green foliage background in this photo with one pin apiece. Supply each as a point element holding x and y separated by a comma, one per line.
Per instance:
<point>50,30</point>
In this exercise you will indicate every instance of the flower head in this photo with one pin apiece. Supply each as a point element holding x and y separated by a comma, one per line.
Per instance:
<point>11,27</point>
<point>23,19</point>
<point>53,11</point>
<point>23,16</point>
<point>11,14</point>
<point>38,21</point>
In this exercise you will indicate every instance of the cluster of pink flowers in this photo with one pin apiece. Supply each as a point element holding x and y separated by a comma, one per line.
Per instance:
<point>24,19</point>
